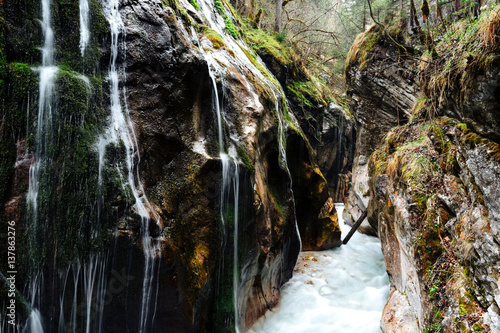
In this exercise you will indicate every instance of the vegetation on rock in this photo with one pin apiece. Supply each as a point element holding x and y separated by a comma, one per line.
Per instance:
<point>421,162</point>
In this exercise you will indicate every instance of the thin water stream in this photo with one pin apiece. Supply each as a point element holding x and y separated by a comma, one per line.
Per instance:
<point>343,290</point>
<point>121,131</point>
<point>84,25</point>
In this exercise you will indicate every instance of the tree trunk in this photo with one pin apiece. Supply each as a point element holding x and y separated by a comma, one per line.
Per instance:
<point>457,7</point>
<point>364,16</point>
<point>277,22</point>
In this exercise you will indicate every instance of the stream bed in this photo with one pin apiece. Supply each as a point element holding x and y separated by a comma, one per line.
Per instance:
<point>339,290</point>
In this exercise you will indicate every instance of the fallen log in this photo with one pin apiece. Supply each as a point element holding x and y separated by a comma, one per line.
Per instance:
<point>355,227</point>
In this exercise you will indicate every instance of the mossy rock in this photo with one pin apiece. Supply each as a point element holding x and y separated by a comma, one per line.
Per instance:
<point>214,37</point>
<point>362,48</point>
<point>66,23</point>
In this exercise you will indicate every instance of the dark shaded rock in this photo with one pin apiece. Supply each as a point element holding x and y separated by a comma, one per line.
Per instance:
<point>91,232</point>
<point>316,217</point>
<point>328,128</point>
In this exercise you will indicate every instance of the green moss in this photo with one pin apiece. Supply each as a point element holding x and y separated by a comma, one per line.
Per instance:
<point>23,84</point>
<point>245,159</point>
<point>195,4</point>
<point>229,25</point>
<point>231,28</point>
<point>362,48</point>
<point>219,6</point>
<point>307,93</point>
<point>68,180</point>
<point>462,127</point>
<point>223,314</point>
<point>279,200</point>
<point>265,43</point>
<point>214,37</point>
<point>261,68</point>
<point>24,35</point>
<point>477,328</point>
<point>66,27</point>
<point>180,10</point>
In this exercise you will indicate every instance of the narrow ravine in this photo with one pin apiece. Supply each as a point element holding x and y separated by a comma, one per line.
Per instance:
<point>340,290</point>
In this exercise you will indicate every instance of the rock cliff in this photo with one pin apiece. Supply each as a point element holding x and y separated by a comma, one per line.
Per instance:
<point>199,102</point>
<point>427,169</point>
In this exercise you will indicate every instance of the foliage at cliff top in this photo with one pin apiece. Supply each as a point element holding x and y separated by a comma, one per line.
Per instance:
<point>308,86</point>
<point>446,57</point>
<point>466,50</point>
<point>264,42</point>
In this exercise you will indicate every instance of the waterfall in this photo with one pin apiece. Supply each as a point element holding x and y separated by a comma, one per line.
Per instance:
<point>283,160</point>
<point>94,277</point>
<point>230,175</point>
<point>121,130</point>
<point>84,25</point>
<point>34,324</point>
<point>241,54</point>
<point>46,87</point>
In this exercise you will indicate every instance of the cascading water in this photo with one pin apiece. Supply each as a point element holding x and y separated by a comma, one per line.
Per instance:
<point>122,131</point>
<point>94,283</point>
<point>230,175</point>
<point>46,87</point>
<point>283,160</point>
<point>90,279</point>
<point>216,22</point>
<point>340,290</point>
<point>84,25</point>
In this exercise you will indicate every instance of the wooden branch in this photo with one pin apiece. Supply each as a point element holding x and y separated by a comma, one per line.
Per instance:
<point>398,46</point>
<point>337,56</point>
<point>355,227</point>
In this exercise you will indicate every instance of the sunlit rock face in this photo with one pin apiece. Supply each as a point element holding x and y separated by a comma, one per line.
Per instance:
<point>440,244</point>
<point>107,274</point>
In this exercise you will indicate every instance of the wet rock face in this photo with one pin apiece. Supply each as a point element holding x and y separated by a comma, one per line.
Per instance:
<point>319,230</point>
<point>170,100</point>
<point>329,130</point>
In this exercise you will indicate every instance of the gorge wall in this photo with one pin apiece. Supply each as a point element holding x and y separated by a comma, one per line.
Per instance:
<point>428,171</point>
<point>155,171</point>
